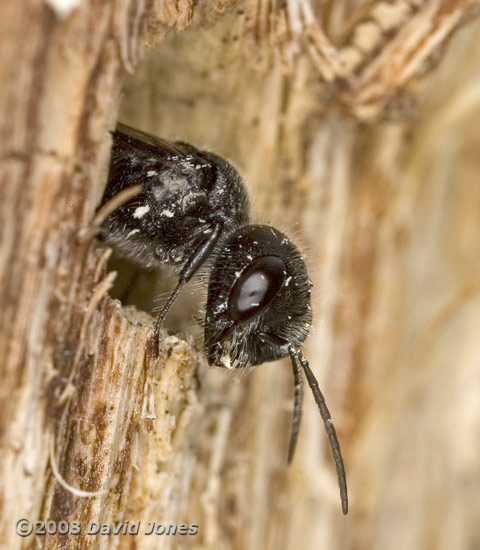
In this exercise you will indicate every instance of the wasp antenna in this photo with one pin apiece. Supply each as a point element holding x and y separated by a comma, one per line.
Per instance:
<point>297,409</point>
<point>298,360</point>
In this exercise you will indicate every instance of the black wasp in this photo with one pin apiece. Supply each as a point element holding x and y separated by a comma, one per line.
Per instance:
<point>193,210</point>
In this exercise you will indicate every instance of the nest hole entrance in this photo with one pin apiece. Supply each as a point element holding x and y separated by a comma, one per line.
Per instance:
<point>148,290</point>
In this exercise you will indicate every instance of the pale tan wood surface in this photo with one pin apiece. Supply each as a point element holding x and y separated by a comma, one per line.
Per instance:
<point>356,126</point>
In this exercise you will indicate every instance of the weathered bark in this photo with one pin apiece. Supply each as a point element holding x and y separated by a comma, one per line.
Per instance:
<point>78,382</point>
<point>387,211</point>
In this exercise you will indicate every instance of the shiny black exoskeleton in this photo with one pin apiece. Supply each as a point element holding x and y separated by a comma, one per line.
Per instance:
<point>193,211</point>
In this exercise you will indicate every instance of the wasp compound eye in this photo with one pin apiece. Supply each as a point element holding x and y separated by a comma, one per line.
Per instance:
<point>193,211</point>
<point>256,287</point>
